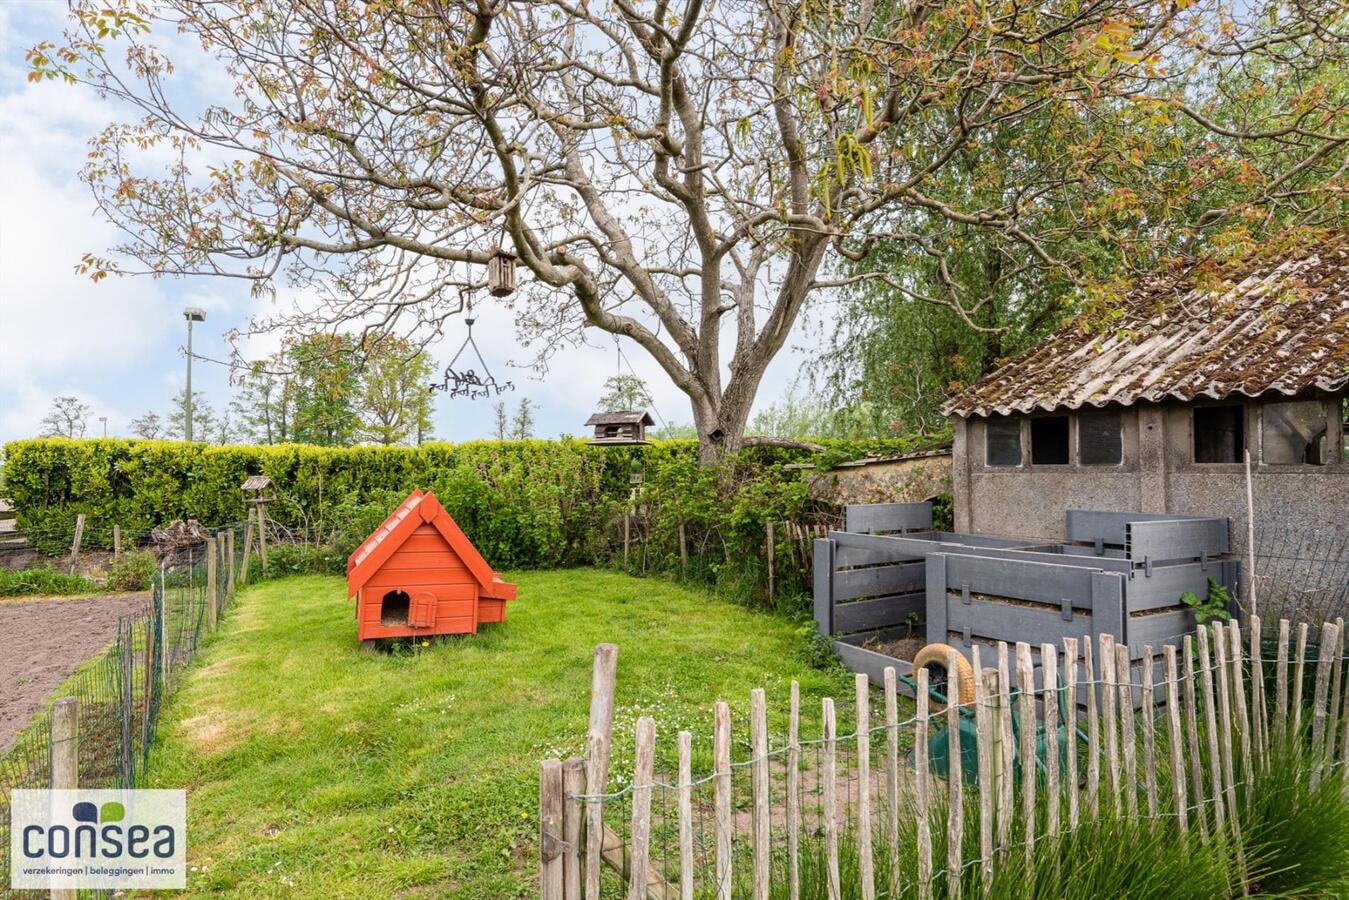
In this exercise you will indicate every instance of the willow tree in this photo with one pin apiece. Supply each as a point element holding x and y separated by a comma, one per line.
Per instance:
<point>683,174</point>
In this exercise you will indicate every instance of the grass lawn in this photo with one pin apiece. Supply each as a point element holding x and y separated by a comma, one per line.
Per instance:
<point>318,770</point>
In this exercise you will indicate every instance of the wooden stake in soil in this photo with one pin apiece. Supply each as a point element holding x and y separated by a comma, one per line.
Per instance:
<point>1259,714</point>
<point>598,743</point>
<point>1225,722</point>
<point>1332,710</point>
<point>865,862</point>
<point>248,550</point>
<point>921,800</point>
<point>955,819</point>
<point>829,791</point>
<point>229,562</point>
<point>771,553</point>
<point>116,542</point>
<point>1239,695</point>
<point>1109,719</point>
<point>642,785</point>
<point>1174,737</point>
<point>683,551</point>
<point>1327,643</point>
<point>758,744</point>
<point>212,612</point>
<point>551,884</point>
<point>721,761</point>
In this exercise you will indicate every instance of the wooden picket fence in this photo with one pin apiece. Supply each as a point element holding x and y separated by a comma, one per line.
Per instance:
<point>1218,727</point>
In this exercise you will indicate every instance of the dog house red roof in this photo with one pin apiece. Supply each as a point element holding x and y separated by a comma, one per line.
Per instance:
<point>418,574</point>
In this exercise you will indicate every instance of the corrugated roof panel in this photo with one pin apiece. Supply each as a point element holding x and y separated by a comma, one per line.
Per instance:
<point>1283,326</point>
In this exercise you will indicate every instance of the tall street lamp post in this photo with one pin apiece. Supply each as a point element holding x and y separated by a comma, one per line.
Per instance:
<point>192,314</point>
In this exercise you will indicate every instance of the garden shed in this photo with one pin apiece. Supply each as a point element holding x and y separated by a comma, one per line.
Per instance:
<point>418,575</point>
<point>1156,412</point>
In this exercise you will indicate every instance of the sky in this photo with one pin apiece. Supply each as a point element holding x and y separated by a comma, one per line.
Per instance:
<point>119,344</point>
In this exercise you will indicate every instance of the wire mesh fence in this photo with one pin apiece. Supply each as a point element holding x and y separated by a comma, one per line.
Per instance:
<point>1302,574</point>
<point>846,804</point>
<point>119,693</point>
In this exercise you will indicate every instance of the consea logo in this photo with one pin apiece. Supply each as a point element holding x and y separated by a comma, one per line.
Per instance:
<point>98,839</point>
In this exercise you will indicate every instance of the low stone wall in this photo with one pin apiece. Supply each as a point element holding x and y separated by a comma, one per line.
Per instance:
<point>910,478</point>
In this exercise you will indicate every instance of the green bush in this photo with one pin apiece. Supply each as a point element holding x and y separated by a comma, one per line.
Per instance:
<point>525,504</point>
<point>43,581</point>
<point>132,571</point>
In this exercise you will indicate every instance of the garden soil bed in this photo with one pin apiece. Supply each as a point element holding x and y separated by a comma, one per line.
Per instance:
<point>42,642</point>
<point>901,648</point>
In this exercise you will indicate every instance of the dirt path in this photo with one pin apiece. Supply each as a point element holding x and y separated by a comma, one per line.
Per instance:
<point>41,644</point>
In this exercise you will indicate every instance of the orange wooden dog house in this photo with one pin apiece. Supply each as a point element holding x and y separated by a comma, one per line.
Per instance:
<point>418,575</point>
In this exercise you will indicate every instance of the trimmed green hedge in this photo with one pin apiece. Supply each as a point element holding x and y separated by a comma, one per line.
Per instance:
<point>526,504</point>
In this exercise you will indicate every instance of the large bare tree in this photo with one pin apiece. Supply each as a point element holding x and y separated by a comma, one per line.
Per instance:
<point>684,173</point>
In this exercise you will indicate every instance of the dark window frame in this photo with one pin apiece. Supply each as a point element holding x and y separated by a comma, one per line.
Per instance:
<point>1060,451</point>
<point>1211,445</point>
<point>1101,415</point>
<point>1015,422</point>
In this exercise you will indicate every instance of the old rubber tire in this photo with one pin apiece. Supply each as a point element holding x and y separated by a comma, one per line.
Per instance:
<point>938,655</point>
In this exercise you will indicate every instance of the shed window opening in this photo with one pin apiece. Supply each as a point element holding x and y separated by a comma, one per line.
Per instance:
<point>1293,433</point>
<point>1219,434</point>
<point>1002,442</point>
<point>1049,441</point>
<point>394,608</point>
<point>1098,439</point>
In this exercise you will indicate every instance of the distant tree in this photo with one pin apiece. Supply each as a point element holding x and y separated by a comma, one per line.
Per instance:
<point>204,424</point>
<point>522,426</point>
<point>803,416</point>
<point>67,417</point>
<point>148,426</point>
<point>624,392</point>
<point>265,407</point>
<point>395,396</point>
<point>502,421</point>
<point>325,389</point>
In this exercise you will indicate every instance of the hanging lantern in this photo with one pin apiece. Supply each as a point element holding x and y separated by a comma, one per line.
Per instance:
<point>501,273</point>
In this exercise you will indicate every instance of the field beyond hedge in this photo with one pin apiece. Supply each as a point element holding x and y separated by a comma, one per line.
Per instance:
<point>315,769</point>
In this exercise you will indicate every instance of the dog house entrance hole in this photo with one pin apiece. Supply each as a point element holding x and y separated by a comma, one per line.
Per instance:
<point>393,609</point>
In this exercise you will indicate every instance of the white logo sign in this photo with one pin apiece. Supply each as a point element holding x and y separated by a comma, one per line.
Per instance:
<point>98,839</point>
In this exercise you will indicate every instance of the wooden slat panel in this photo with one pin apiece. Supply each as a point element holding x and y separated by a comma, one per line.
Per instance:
<point>871,517</point>
<point>867,615</point>
<point>424,542</point>
<point>415,559</point>
<point>1047,583</point>
<point>1158,630</point>
<point>1011,622</point>
<point>880,581</point>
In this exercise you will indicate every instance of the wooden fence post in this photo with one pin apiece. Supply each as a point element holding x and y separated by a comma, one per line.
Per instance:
<point>1259,712</point>
<point>643,779</point>
<point>1149,732</point>
<point>598,739</point>
<point>1025,683</point>
<point>573,822</point>
<point>920,794</point>
<point>1049,669</point>
<point>891,780</point>
<point>116,542</point>
<point>1070,727</point>
<point>1239,694</point>
<point>1093,733</point>
<point>771,555</point>
<point>1007,744</point>
<point>65,771</point>
<point>793,794</point>
<point>1174,738</point>
<point>148,681</point>
<point>1109,717</point>
<point>75,544</point>
<point>1281,685</point>
<point>1326,645</point>
<point>721,756</point>
<point>984,747</point>
<point>1225,722</point>
<point>248,550</point>
<point>760,847</point>
<point>685,800</point>
<point>683,551</point>
<point>1192,728</point>
<point>550,830</point>
<point>1211,726</point>
<point>1125,680</point>
<point>829,793</point>
<point>229,557</point>
<point>262,535</point>
<point>212,612</point>
<point>955,808</point>
<point>1299,668</point>
<point>1332,711</point>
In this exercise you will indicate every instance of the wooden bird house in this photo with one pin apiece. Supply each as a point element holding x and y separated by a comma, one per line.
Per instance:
<point>622,428</point>
<point>501,273</point>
